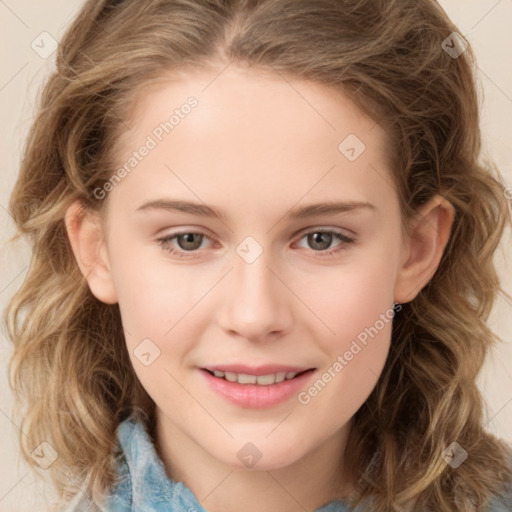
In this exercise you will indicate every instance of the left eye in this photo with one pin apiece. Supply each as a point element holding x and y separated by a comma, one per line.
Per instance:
<point>191,241</point>
<point>322,239</point>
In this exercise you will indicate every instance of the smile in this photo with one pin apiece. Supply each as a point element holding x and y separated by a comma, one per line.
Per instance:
<point>256,391</point>
<point>261,380</point>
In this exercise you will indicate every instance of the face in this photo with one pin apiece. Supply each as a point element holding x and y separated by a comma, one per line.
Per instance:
<point>267,286</point>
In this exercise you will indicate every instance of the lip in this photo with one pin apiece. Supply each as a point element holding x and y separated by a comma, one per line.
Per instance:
<point>255,396</point>
<point>265,369</point>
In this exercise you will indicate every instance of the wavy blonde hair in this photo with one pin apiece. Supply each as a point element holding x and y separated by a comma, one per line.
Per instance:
<point>70,366</point>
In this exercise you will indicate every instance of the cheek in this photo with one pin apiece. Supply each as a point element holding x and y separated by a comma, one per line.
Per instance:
<point>161,315</point>
<point>354,297</point>
<point>356,302</point>
<point>152,295</point>
<point>360,313</point>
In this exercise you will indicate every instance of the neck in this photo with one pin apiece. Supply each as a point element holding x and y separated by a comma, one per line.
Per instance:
<point>305,485</point>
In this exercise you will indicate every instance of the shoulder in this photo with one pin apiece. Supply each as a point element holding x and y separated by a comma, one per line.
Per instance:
<point>142,483</point>
<point>502,502</point>
<point>130,442</point>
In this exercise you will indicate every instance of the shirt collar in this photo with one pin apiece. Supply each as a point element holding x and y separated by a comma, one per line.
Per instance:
<point>144,484</point>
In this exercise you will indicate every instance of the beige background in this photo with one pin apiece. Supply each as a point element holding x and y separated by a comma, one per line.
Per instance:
<point>485,23</point>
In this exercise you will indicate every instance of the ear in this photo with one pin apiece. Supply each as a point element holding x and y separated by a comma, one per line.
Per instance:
<point>85,235</point>
<point>425,242</point>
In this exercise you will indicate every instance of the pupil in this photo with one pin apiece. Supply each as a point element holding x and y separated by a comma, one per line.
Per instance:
<point>189,239</point>
<point>315,238</point>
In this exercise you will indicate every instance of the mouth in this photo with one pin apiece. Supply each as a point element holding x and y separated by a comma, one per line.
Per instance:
<point>257,388</point>
<point>266,379</point>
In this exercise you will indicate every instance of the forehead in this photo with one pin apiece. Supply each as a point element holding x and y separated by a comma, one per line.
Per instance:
<point>252,131</point>
<point>269,97</point>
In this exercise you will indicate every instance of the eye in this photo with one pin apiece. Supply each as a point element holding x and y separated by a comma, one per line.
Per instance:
<point>321,239</point>
<point>187,241</point>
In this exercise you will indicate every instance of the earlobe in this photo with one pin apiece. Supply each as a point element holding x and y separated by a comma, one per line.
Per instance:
<point>85,236</point>
<point>429,232</point>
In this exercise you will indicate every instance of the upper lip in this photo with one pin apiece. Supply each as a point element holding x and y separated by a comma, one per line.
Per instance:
<point>265,369</point>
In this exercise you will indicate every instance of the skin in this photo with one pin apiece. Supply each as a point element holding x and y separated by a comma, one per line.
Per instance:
<point>256,146</point>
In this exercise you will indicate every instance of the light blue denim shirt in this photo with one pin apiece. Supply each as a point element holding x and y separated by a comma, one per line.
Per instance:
<point>145,486</point>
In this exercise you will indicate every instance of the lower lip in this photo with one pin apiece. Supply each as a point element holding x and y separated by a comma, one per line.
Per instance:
<point>255,396</point>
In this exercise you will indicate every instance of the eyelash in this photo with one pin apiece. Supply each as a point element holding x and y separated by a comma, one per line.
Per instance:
<point>324,254</point>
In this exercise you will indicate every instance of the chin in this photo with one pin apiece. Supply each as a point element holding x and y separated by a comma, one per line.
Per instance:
<point>255,456</point>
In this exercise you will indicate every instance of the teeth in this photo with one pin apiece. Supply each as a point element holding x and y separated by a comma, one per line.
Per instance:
<point>247,379</point>
<point>280,377</point>
<point>262,380</point>
<point>266,380</point>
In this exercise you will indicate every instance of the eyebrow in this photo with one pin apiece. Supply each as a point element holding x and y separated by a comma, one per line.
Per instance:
<point>203,210</point>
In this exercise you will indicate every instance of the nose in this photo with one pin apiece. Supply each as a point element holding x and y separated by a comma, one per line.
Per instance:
<point>256,305</point>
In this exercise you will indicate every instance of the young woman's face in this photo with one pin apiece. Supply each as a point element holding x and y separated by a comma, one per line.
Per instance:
<point>277,283</point>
